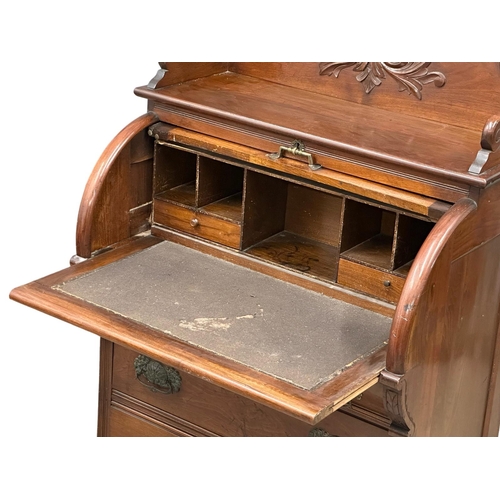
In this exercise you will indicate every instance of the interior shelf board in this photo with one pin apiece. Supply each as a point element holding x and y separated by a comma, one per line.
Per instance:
<point>229,208</point>
<point>376,252</point>
<point>185,194</point>
<point>404,269</point>
<point>300,254</point>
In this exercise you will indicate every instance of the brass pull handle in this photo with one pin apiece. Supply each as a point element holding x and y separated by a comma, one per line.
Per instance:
<point>161,378</point>
<point>297,149</point>
<point>195,222</point>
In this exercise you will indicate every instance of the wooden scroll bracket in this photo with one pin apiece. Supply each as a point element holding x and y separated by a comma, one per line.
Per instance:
<point>490,143</point>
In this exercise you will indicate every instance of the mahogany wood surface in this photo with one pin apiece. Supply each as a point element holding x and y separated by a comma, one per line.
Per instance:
<point>449,311</point>
<point>492,417</point>
<point>433,150</point>
<point>418,283</point>
<point>380,284</point>
<point>402,219</point>
<point>348,184</point>
<point>197,222</point>
<point>218,411</point>
<point>465,99</point>
<point>375,170</point>
<point>104,217</point>
<point>105,386</point>
<point>172,73</point>
<point>125,423</point>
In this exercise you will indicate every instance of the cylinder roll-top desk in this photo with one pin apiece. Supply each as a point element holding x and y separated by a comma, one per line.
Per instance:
<point>294,249</point>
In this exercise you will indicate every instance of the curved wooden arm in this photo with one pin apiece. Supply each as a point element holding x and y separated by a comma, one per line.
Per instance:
<point>417,281</point>
<point>97,178</point>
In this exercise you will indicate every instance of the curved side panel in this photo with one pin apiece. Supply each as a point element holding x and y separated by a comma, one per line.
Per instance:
<point>440,377</point>
<point>117,194</point>
<point>419,287</point>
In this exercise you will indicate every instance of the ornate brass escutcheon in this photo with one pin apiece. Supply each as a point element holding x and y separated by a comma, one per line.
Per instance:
<point>161,378</point>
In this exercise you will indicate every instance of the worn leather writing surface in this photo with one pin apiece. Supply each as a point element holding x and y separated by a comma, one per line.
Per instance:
<point>278,328</point>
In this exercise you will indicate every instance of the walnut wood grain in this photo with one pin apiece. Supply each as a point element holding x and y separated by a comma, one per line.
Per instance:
<point>103,218</point>
<point>375,170</point>
<point>392,166</point>
<point>492,415</point>
<point>470,93</point>
<point>382,285</point>
<point>154,414</point>
<point>299,253</point>
<point>198,223</point>
<point>449,311</point>
<point>347,184</point>
<point>124,422</point>
<point>105,386</point>
<point>313,214</point>
<point>418,281</point>
<point>431,150</point>
<point>219,411</point>
<point>172,72</point>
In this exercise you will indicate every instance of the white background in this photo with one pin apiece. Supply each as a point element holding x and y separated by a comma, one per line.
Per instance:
<point>67,80</point>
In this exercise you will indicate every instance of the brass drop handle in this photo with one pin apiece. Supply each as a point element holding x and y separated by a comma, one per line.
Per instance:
<point>161,378</point>
<point>297,149</point>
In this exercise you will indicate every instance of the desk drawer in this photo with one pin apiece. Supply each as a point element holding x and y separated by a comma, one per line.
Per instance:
<point>365,279</point>
<point>198,223</point>
<point>222,412</point>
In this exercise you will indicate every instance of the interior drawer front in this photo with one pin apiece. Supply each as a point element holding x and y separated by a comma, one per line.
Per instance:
<point>197,223</point>
<point>225,413</point>
<point>380,284</point>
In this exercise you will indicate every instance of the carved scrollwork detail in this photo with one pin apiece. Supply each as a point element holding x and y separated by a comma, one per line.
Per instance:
<point>490,143</point>
<point>395,403</point>
<point>161,378</point>
<point>490,139</point>
<point>410,76</point>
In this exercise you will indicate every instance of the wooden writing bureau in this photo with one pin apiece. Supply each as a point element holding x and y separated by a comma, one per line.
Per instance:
<point>295,249</point>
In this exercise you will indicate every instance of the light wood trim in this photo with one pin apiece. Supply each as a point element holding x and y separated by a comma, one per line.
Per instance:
<point>97,178</point>
<point>197,223</point>
<point>403,200</point>
<point>371,281</point>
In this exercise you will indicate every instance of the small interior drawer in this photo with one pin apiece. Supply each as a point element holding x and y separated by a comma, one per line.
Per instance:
<point>380,284</point>
<point>198,223</point>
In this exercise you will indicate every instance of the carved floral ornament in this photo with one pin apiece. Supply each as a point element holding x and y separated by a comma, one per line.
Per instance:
<point>411,76</point>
